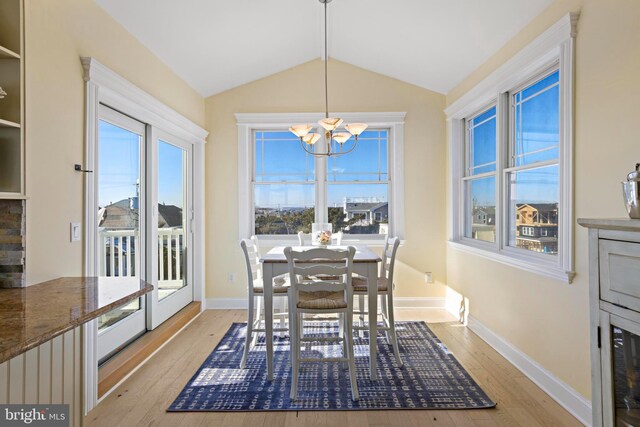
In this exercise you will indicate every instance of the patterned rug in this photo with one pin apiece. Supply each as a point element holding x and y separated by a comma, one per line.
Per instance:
<point>431,377</point>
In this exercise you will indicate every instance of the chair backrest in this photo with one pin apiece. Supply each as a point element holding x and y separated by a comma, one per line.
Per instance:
<point>300,238</point>
<point>321,262</point>
<point>389,258</point>
<point>252,259</point>
<point>337,237</point>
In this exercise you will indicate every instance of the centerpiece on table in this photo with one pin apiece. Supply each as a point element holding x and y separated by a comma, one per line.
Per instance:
<point>321,234</point>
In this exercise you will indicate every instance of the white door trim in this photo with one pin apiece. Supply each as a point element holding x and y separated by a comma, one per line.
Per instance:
<point>105,86</point>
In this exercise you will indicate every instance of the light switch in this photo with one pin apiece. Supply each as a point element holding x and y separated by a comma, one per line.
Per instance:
<point>75,231</point>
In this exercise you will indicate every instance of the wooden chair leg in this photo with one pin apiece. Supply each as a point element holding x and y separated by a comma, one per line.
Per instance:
<point>361,308</point>
<point>348,325</point>
<point>248,340</point>
<point>283,309</point>
<point>385,316</point>
<point>342,333</point>
<point>258,318</point>
<point>294,347</point>
<point>392,327</point>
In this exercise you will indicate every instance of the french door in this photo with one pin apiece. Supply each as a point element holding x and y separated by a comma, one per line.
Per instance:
<point>144,196</point>
<point>121,223</point>
<point>170,238</point>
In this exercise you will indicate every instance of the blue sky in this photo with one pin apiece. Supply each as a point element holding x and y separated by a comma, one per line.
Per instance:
<point>119,168</point>
<point>536,120</point>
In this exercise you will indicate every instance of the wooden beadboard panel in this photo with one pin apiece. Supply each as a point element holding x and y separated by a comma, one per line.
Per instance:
<point>49,373</point>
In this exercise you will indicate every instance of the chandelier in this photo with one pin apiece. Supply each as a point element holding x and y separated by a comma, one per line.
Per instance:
<point>331,125</point>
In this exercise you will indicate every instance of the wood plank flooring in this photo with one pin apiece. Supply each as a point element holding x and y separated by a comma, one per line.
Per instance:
<point>143,398</point>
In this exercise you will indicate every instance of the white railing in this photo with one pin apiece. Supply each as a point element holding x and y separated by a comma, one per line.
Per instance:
<point>170,253</point>
<point>118,254</point>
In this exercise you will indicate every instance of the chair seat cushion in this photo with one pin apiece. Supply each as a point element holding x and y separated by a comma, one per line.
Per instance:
<point>360,284</point>
<point>280,285</point>
<point>321,300</point>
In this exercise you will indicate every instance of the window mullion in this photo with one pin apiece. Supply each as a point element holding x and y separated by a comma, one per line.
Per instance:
<point>503,118</point>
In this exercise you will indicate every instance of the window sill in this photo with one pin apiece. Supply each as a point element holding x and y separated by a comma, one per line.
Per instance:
<point>522,262</point>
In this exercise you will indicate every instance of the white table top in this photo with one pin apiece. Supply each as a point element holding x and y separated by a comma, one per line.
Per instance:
<point>363,253</point>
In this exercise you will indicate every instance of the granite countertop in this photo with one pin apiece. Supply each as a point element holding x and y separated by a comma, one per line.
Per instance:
<point>35,314</point>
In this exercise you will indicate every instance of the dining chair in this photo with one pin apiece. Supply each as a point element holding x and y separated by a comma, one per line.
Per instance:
<point>318,296</point>
<point>256,293</point>
<point>385,293</point>
<point>301,238</point>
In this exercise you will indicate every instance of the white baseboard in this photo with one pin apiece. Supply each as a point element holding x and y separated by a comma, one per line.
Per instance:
<point>562,393</point>
<point>227,303</point>
<point>399,303</point>
<point>418,302</point>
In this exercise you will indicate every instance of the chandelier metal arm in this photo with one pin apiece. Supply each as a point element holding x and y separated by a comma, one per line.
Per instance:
<point>329,153</point>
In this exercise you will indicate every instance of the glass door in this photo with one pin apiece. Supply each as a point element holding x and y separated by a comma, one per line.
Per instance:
<point>170,236</point>
<point>120,223</point>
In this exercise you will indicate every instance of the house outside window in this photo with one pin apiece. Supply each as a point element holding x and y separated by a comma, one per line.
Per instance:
<point>286,190</point>
<point>511,159</point>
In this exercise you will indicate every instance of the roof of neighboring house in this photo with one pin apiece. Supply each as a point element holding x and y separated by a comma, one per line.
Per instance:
<point>489,210</point>
<point>169,216</point>
<point>365,206</point>
<point>544,207</point>
<point>120,215</point>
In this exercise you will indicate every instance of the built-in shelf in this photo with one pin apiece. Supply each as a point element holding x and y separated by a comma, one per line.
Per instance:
<point>7,53</point>
<point>12,182</point>
<point>12,196</point>
<point>9,124</point>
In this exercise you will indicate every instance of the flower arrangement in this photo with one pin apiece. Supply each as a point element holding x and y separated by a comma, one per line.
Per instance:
<point>322,237</point>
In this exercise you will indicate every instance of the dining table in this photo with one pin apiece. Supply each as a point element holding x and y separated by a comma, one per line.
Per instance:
<point>365,263</point>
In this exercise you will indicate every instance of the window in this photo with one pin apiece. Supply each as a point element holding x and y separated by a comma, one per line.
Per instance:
<point>532,174</point>
<point>480,176</point>
<point>283,190</point>
<point>284,184</point>
<point>511,154</point>
<point>358,186</point>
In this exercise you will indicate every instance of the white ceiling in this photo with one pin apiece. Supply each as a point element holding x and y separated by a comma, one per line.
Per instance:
<point>216,45</point>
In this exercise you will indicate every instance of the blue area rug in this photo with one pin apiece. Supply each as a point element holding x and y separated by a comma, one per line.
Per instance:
<point>431,377</point>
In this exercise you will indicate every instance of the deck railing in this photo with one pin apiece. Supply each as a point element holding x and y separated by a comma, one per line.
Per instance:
<point>118,254</point>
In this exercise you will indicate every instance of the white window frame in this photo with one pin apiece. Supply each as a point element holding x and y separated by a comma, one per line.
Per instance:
<point>554,46</point>
<point>248,123</point>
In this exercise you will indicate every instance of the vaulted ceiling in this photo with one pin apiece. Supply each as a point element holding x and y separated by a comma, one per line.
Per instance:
<point>216,45</point>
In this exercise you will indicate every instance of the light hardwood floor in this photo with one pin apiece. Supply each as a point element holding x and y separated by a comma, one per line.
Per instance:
<point>143,398</point>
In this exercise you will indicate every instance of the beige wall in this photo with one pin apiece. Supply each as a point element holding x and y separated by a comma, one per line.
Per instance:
<point>546,319</point>
<point>351,89</point>
<point>57,34</point>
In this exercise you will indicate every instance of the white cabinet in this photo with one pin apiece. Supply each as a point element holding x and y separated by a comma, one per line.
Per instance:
<point>614,294</point>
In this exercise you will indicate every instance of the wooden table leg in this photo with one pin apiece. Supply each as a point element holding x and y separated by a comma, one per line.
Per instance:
<point>267,279</point>
<point>372,293</point>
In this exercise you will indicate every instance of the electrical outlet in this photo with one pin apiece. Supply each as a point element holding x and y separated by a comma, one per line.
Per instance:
<point>232,277</point>
<point>428,277</point>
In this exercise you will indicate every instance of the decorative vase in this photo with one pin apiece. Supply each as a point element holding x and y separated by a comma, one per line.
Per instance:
<point>321,234</point>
